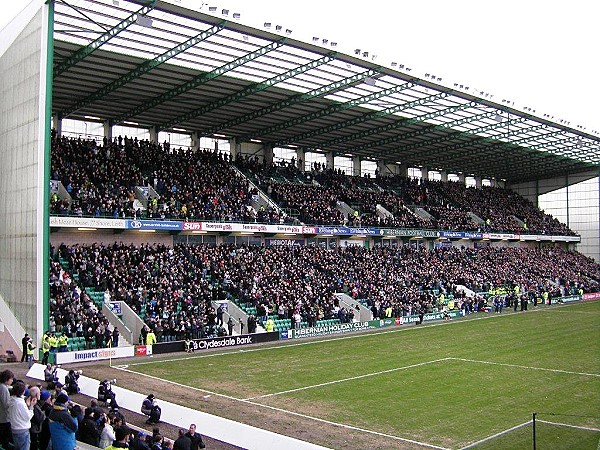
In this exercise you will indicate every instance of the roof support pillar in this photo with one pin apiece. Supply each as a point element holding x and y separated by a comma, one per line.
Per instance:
<point>154,135</point>
<point>356,166</point>
<point>196,141</point>
<point>477,182</point>
<point>300,159</point>
<point>267,151</point>
<point>57,124</point>
<point>425,173</point>
<point>443,176</point>
<point>461,178</point>
<point>107,130</point>
<point>330,160</point>
<point>235,148</point>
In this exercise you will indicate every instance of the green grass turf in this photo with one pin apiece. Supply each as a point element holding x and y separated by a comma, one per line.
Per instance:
<point>450,403</point>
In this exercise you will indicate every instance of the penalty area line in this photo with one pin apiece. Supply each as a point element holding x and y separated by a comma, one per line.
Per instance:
<point>579,427</point>
<point>568,372</point>
<point>493,436</point>
<point>342,380</point>
<point>292,413</point>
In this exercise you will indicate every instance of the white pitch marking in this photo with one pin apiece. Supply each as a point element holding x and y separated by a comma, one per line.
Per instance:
<point>568,425</point>
<point>341,425</point>
<point>528,367</point>
<point>358,377</point>
<point>489,438</point>
<point>355,336</point>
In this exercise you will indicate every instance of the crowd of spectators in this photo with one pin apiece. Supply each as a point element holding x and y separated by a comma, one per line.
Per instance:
<point>174,287</point>
<point>101,180</point>
<point>73,312</point>
<point>191,185</point>
<point>36,418</point>
<point>317,195</point>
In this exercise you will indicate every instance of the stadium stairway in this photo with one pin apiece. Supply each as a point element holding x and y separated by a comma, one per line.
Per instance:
<point>382,212</point>
<point>361,314</point>
<point>475,218</point>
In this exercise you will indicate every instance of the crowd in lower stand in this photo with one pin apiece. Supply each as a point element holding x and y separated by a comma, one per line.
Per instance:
<point>102,180</point>
<point>172,289</point>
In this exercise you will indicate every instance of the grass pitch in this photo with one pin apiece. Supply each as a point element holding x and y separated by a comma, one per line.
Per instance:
<point>448,385</point>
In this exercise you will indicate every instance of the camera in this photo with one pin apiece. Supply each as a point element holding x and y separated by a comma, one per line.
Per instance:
<point>71,381</point>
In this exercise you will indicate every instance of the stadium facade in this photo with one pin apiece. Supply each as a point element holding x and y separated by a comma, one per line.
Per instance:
<point>211,79</point>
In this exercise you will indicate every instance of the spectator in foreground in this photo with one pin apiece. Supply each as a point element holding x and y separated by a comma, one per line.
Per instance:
<point>121,438</point>
<point>20,413</point>
<point>196,438</point>
<point>183,442</point>
<point>62,425</point>
<point>6,379</point>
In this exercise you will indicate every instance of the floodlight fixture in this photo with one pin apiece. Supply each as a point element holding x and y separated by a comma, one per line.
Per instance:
<point>315,38</point>
<point>236,15</point>
<point>144,21</point>
<point>212,8</point>
<point>394,64</point>
<point>325,41</point>
<point>357,51</point>
<point>278,27</point>
<point>225,12</point>
<point>288,31</point>
<point>365,54</point>
<point>370,81</point>
<point>267,25</point>
<point>333,44</point>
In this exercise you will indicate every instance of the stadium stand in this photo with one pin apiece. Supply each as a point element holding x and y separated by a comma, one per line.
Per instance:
<point>172,288</point>
<point>202,185</point>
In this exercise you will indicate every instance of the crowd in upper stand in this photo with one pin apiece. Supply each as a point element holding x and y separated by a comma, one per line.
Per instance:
<point>204,185</point>
<point>172,288</point>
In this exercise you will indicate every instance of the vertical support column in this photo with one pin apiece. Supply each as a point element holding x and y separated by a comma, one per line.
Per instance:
<point>300,163</point>
<point>107,130</point>
<point>461,178</point>
<point>477,182</point>
<point>567,193</point>
<point>154,135</point>
<point>268,153</point>
<point>425,173</point>
<point>330,160</point>
<point>57,124</point>
<point>403,170</point>
<point>356,166</point>
<point>196,141</point>
<point>444,176</point>
<point>235,148</point>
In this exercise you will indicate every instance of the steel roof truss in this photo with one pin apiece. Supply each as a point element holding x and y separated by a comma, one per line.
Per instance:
<point>252,89</point>
<point>331,110</point>
<point>199,79</point>
<point>363,118</point>
<point>83,52</point>
<point>299,98</point>
<point>145,67</point>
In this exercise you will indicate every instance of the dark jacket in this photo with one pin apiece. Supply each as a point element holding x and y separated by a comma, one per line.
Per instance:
<point>88,432</point>
<point>183,443</point>
<point>196,439</point>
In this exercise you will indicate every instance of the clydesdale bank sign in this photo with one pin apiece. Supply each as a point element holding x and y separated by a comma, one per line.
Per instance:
<point>215,343</point>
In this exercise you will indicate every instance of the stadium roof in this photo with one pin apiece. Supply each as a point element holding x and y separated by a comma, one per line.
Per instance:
<point>157,64</point>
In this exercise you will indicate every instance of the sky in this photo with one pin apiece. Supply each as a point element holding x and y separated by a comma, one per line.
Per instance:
<point>539,54</point>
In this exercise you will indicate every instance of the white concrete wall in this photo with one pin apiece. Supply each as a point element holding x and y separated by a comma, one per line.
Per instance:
<point>22,100</point>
